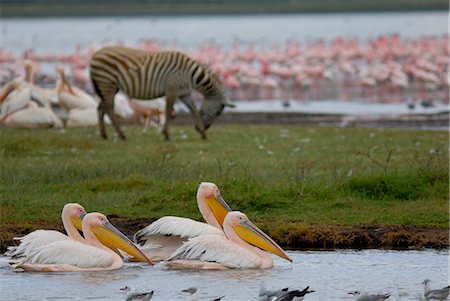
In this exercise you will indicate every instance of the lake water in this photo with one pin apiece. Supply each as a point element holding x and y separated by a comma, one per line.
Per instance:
<point>55,35</point>
<point>332,274</point>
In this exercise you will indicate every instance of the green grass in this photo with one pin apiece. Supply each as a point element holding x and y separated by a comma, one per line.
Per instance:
<point>282,175</point>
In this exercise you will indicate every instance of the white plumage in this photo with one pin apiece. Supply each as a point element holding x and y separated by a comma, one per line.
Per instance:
<point>230,252</point>
<point>76,100</point>
<point>178,226</point>
<point>33,240</point>
<point>33,117</point>
<point>70,255</point>
<point>84,118</point>
<point>165,235</point>
<point>73,253</point>
<point>218,249</point>
<point>40,238</point>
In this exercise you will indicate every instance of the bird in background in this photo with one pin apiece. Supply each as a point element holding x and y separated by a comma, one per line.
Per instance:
<point>132,295</point>
<point>366,297</point>
<point>437,294</point>
<point>283,294</point>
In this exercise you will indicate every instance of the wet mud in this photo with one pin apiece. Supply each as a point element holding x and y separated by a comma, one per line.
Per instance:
<point>295,237</point>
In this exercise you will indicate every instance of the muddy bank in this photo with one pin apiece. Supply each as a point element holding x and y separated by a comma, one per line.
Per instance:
<point>438,121</point>
<point>296,237</point>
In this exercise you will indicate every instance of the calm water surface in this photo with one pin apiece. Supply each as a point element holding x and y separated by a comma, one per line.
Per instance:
<point>54,35</point>
<point>330,274</point>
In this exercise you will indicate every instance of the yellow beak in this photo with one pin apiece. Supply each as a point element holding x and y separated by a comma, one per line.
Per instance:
<point>255,236</point>
<point>78,221</point>
<point>219,207</point>
<point>109,236</point>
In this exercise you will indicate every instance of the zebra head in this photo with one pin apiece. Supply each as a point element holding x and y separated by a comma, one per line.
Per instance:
<point>211,108</point>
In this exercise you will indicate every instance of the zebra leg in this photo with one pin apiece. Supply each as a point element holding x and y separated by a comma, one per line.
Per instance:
<point>171,97</point>
<point>199,126</point>
<point>101,119</point>
<point>108,108</point>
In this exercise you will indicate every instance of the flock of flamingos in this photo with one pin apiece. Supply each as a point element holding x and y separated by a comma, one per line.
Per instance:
<point>384,69</point>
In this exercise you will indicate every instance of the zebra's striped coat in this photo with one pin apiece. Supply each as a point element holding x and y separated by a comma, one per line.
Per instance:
<point>148,75</point>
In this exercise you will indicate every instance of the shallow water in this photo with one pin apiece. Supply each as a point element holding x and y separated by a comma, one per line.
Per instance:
<point>334,107</point>
<point>330,273</point>
<point>56,35</point>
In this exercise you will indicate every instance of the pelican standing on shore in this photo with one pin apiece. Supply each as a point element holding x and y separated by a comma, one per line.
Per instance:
<point>72,256</point>
<point>231,252</point>
<point>164,236</point>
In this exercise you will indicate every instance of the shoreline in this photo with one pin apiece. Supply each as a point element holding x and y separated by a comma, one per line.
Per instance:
<point>39,8</point>
<point>297,236</point>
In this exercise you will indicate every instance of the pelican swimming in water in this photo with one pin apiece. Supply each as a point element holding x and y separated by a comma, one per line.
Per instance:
<point>72,256</point>
<point>164,236</point>
<point>231,252</point>
<point>72,216</point>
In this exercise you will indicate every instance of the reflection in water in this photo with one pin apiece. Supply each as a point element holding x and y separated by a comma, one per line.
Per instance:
<point>330,274</point>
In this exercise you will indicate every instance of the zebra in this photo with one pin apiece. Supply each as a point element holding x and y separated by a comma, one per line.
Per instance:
<point>148,75</point>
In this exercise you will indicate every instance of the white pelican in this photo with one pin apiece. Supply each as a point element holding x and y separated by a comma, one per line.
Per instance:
<point>32,117</point>
<point>72,97</point>
<point>165,235</point>
<point>230,252</point>
<point>72,256</point>
<point>84,118</point>
<point>72,216</point>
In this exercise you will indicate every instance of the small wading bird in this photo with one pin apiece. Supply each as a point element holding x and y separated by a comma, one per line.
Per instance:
<point>366,297</point>
<point>193,292</point>
<point>72,256</point>
<point>437,294</point>
<point>134,296</point>
<point>72,216</point>
<point>231,252</point>
<point>282,294</point>
<point>164,236</point>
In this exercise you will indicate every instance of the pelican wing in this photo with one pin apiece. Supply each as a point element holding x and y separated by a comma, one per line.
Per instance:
<point>16,100</point>
<point>79,101</point>
<point>174,226</point>
<point>33,240</point>
<point>213,248</point>
<point>69,252</point>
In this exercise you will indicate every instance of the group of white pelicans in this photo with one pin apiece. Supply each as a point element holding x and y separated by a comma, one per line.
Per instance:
<point>228,240</point>
<point>24,104</point>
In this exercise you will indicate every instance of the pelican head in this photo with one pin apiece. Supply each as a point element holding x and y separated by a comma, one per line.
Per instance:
<point>249,232</point>
<point>75,212</point>
<point>60,69</point>
<point>426,281</point>
<point>28,71</point>
<point>211,195</point>
<point>109,236</point>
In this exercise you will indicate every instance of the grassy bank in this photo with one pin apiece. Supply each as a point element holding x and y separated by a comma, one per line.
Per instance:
<point>283,177</point>
<point>36,8</point>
